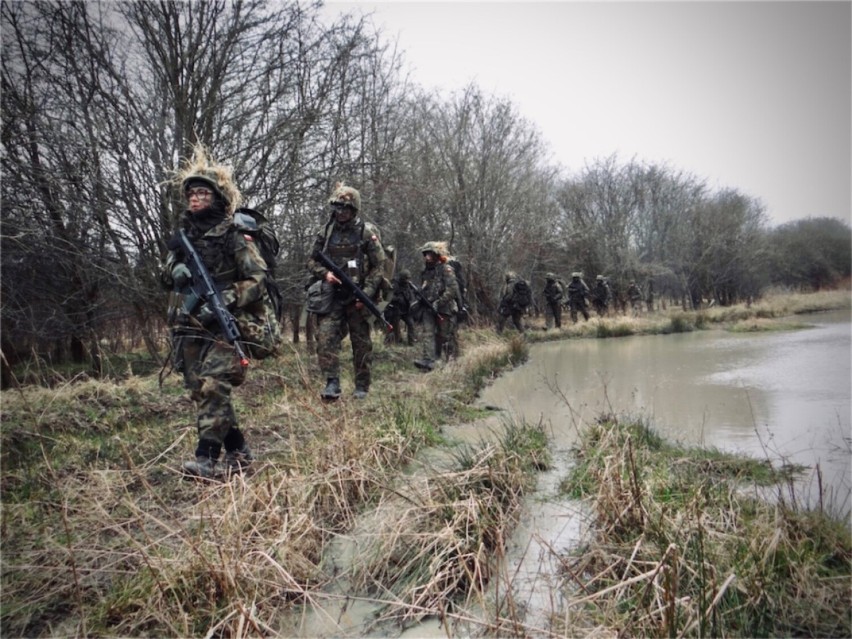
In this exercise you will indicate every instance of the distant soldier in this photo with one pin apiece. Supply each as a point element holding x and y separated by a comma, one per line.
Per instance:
<point>515,298</point>
<point>578,294</point>
<point>398,310</point>
<point>601,296</point>
<point>436,307</point>
<point>553,294</point>
<point>634,295</point>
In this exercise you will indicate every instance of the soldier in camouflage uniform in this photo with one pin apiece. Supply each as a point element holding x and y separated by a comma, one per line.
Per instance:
<point>553,294</point>
<point>436,323</point>
<point>356,247</point>
<point>509,308</point>
<point>600,295</point>
<point>578,293</point>
<point>209,364</point>
<point>398,310</point>
<point>634,294</point>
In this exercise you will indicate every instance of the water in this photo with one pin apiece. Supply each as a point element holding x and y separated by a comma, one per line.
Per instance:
<point>778,395</point>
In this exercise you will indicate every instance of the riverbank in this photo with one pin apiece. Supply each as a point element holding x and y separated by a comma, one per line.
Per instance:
<point>102,536</point>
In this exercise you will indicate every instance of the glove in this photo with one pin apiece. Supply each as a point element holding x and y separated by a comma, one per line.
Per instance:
<point>205,315</point>
<point>181,275</point>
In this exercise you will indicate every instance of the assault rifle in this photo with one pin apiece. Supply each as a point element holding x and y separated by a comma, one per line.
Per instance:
<point>360,295</point>
<point>205,289</point>
<point>426,303</point>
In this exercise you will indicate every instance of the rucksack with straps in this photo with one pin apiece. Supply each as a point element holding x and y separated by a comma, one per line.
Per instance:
<point>521,294</point>
<point>263,338</point>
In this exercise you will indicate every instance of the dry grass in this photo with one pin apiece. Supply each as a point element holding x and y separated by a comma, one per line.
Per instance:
<point>679,549</point>
<point>102,536</point>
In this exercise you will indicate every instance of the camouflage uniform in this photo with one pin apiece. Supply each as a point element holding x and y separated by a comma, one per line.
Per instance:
<point>439,286</point>
<point>508,308</point>
<point>578,292</point>
<point>209,365</point>
<point>553,293</point>
<point>600,295</point>
<point>634,294</point>
<point>398,310</point>
<point>356,247</point>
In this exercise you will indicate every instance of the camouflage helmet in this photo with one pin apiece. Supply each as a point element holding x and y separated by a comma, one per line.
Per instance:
<point>600,278</point>
<point>345,195</point>
<point>438,248</point>
<point>511,275</point>
<point>576,274</point>
<point>404,275</point>
<point>202,170</point>
<point>550,277</point>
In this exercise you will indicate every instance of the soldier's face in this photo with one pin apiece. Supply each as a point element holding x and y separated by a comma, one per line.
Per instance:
<point>429,258</point>
<point>199,198</point>
<point>343,213</point>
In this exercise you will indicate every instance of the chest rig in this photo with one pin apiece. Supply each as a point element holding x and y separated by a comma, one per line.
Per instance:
<point>344,247</point>
<point>216,250</point>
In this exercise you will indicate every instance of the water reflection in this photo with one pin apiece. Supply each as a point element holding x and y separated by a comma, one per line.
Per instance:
<point>781,394</point>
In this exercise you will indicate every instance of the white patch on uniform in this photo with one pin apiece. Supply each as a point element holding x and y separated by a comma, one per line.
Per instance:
<point>249,238</point>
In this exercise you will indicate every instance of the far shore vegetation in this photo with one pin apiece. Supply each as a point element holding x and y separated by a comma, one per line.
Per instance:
<point>102,537</point>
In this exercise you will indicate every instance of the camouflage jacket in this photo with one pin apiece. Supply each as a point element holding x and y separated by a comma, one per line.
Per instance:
<point>441,288</point>
<point>234,262</point>
<point>356,247</point>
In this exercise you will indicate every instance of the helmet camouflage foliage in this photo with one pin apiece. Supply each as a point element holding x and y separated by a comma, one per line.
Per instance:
<point>201,169</point>
<point>550,276</point>
<point>438,248</point>
<point>576,274</point>
<point>345,195</point>
<point>599,278</point>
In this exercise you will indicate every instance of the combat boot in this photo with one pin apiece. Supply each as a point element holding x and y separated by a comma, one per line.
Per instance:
<point>331,390</point>
<point>236,461</point>
<point>202,467</point>
<point>360,392</point>
<point>424,364</point>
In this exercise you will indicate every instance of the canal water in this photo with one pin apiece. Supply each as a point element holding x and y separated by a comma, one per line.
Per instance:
<point>783,395</point>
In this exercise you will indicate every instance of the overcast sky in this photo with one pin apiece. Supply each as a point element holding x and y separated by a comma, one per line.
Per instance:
<point>755,96</point>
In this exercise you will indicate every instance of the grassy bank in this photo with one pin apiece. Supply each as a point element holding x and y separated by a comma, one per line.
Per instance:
<point>101,536</point>
<point>682,546</point>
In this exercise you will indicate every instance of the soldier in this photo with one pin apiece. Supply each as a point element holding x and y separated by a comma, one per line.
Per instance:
<point>578,293</point>
<point>515,297</point>
<point>553,294</point>
<point>435,313</point>
<point>356,247</point>
<point>207,361</point>
<point>398,310</point>
<point>634,294</point>
<point>601,296</point>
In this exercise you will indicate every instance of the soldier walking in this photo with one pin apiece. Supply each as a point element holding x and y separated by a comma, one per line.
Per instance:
<point>578,293</point>
<point>436,308</point>
<point>355,246</point>
<point>553,295</point>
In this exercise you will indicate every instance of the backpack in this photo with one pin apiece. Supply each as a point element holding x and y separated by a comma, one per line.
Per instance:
<point>521,294</point>
<point>462,301</point>
<point>263,338</point>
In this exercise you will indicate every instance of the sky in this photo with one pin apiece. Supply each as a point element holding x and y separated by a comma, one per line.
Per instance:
<point>754,96</point>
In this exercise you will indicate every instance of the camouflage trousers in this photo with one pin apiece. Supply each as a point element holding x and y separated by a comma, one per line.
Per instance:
<point>331,330</point>
<point>210,370</point>
<point>516,317</point>
<point>553,315</point>
<point>437,337</point>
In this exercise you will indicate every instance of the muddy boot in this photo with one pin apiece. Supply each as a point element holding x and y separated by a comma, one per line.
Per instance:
<point>202,467</point>
<point>360,392</point>
<point>331,391</point>
<point>236,461</point>
<point>424,364</point>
